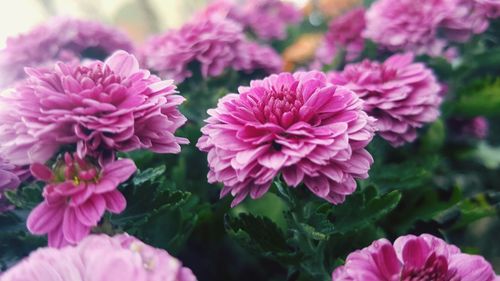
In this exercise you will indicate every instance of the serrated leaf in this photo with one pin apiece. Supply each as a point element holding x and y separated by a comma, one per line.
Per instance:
<point>150,174</point>
<point>26,197</point>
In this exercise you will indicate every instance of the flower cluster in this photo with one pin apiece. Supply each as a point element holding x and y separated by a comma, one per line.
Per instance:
<point>416,25</point>
<point>295,124</point>
<point>413,258</point>
<point>99,258</point>
<point>401,94</point>
<point>60,39</point>
<point>344,33</point>
<point>209,44</point>
<point>99,107</point>
<point>267,19</point>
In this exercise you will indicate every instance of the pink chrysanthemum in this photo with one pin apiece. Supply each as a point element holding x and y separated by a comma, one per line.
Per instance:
<point>77,194</point>
<point>8,180</point>
<point>401,94</point>
<point>344,33</point>
<point>476,127</point>
<point>100,107</point>
<point>490,7</point>
<point>101,258</point>
<point>59,39</point>
<point>415,25</point>
<point>211,45</point>
<point>295,124</point>
<point>413,258</point>
<point>267,19</point>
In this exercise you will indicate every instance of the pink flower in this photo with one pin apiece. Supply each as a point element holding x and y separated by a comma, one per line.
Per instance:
<point>401,94</point>
<point>267,19</point>
<point>211,45</point>
<point>63,39</point>
<point>100,107</point>
<point>490,7</point>
<point>415,25</point>
<point>295,124</point>
<point>77,194</point>
<point>8,180</point>
<point>344,33</point>
<point>476,127</point>
<point>101,258</point>
<point>413,258</point>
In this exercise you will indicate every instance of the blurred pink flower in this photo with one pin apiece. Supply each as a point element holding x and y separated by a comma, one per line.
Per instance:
<point>100,107</point>
<point>211,45</point>
<point>476,127</point>
<point>295,124</point>
<point>413,258</point>
<point>267,19</point>
<point>77,194</point>
<point>101,258</point>
<point>403,95</point>
<point>63,39</point>
<point>490,7</point>
<point>8,180</point>
<point>408,25</point>
<point>344,33</point>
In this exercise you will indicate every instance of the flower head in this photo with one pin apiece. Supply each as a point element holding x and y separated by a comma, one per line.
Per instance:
<point>101,258</point>
<point>476,127</point>
<point>60,39</point>
<point>295,124</point>
<point>345,33</point>
<point>416,25</point>
<point>211,45</point>
<point>490,7</point>
<point>401,94</point>
<point>413,258</point>
<point>102,107</point>
<point>267,19</point>
<point>77,193</point>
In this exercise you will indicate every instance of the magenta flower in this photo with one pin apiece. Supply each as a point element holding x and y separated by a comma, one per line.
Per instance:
<point>298,125</point>
<point>344,33</point>
<point>100,107</point>
<point>413,258</point>
<point>101,258</point>
<point>415,25</point>
<point>267,19</point>
<point>77,194</point>
<point>210,44</point>
<point>63,39</point>
<point>8,180</point>
<point>476,127</point>
<point>490,7</point>
<point>401,94</point>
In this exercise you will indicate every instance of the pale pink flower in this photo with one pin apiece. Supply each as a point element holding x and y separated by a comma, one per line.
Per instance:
<point>401,94</point>
<point>76,195</point>
<point>102,107</point>
<point>298,125</point>
<point>100,258</point>
<point>413,258</point>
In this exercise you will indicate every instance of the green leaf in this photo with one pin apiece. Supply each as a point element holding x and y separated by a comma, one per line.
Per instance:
<point>473,209</point>
<point>482,97</point>
<point>261,236</point>
<point>150,174</point>
<point>26,197</point>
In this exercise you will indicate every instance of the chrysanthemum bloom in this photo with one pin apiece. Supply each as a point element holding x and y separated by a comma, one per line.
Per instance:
<point>413,258</point>
<point>267,19</point>
<point>100,107</point>
<point>59,39</point>
<point>415,25</point>
<point>344,33</point>
<point>253,57</point>
<point>8,180</point>
<point>490,7</point>
<point>76,195</point>
<point>211,45</point>
<point>101,258</point>
<point>295,124</point>
<point>401,94</point>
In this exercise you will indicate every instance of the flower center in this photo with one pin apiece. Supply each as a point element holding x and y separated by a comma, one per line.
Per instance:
<point>76,169</point>
<point>280,107</point>
<point>434,269</point>
<point>99,74</point>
